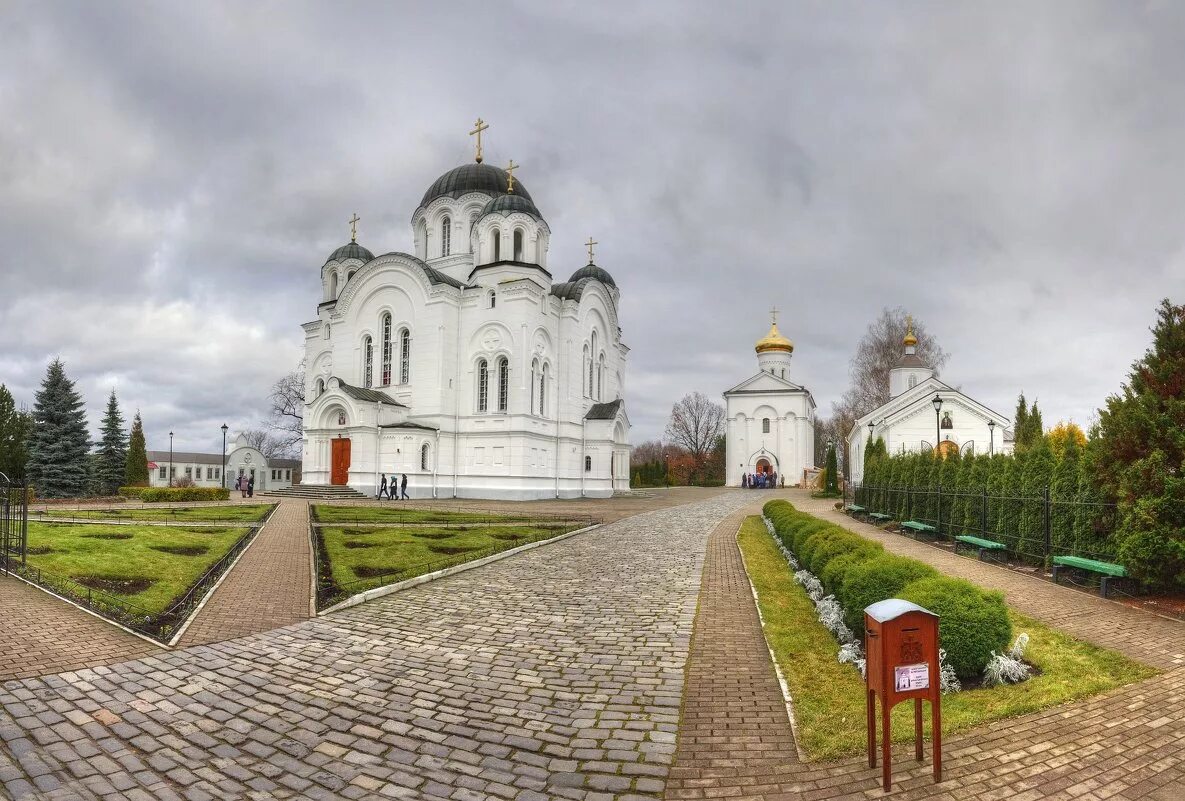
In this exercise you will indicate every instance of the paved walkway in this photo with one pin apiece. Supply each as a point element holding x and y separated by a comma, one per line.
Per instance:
<point>556,673</point>
<point>269,587</point>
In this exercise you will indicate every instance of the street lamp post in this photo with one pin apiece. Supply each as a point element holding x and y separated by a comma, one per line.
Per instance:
<point>992,434</point>
<point>170,459</point>
<point>224,455</point>
<point>937,403</point>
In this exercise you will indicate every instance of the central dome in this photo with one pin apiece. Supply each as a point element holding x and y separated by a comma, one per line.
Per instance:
<point>476,177</point>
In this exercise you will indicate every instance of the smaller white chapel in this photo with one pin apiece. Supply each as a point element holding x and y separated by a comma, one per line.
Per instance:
<point>922,411</point>
<point>771,420</point>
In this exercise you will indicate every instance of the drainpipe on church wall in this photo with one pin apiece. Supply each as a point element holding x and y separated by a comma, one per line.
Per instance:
<point>583,455</point>
<point>456,390</point>
<point>378,433</point>
<point>435,462</point>
<point>561,363</point>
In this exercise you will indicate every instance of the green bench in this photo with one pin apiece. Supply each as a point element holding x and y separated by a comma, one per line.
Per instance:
<point>880,516</point>
<point>1107,569</point>
<point>919,527</point>
<point>984,546</point>
<point>854,508</point>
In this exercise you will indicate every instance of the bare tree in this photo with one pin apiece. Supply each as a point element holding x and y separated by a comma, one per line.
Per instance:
<point>878,351</point>
<point>286,422</point>
<point>648,451</point>
<point>265,442</point>
<point>696,424</point>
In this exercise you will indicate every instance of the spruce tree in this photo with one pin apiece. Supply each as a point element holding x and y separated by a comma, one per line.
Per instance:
<point>59,443</point>
<point>1020,423</point>
<point>1142,450</point>
<point>1038,471</point>
<point>136,466</point>
<point>111,470</point>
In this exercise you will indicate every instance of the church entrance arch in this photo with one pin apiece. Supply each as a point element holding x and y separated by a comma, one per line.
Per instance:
<point>340,462</point>
<point>763,466</point>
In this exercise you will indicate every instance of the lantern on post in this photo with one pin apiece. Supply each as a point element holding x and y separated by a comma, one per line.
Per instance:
<point>901,645</point>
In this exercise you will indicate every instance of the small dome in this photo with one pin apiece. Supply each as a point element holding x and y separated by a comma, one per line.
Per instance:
<point>475,177</point>
<point>910,340</point>
<point>351,250</point>
<point>594,272</point>
<point>774,341</point>
<point>509,204</point>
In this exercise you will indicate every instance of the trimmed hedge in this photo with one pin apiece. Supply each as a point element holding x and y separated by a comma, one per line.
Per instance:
<point>973,622</point>
<point>164,494</point>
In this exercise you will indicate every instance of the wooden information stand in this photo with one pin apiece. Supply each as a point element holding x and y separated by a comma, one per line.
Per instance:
<point>901,645</point>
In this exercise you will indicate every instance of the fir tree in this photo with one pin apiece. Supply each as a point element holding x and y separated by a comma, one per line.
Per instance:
<point>14,435</point>
<point>1063,493</point>
<point>111,470</point>
<point>136,467</point>
<point>948,478</point>
<point>1038,471</point>
<point>1010,501</point>
<point>59,443</point>
<point>1141,453</point>
<point>1020,420</point>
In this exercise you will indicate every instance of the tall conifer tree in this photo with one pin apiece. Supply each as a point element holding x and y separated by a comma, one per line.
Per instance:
<point>59,442</point>
<point>1020,419</point>
<point>111,469</point>
<point>1063,495</point>
<point>14,435</point>
<point>136,469</point>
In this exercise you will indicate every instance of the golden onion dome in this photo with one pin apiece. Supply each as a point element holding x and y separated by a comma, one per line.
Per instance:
<point>774,341</point>
<point>910,340</point>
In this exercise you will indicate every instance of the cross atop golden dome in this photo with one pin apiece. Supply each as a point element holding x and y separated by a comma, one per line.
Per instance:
<point>910,340</point>
<point>774,339</point>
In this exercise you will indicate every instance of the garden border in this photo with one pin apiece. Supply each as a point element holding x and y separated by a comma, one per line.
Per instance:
<point>388,589</point>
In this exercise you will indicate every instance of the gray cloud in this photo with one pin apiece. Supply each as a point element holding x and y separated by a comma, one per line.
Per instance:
<point>172,177</point>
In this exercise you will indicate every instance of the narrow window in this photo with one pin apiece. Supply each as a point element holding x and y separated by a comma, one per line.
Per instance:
<point>472,222</point>
<point>483,385</point>
<point>424,457</point>
<point>913,380</point>
<point>588,464</point>
<point>320,386</point>
<point>601,378</point>
<point>503,383</point>
<point>368,362</point>
<point>765,425</point>
<point>446,236</point>
<point>493,296</point>
<point>543,391</point>
<point>518,244</point>
<point>349,275</point>
<point>386,327</point>
<point>404,356</point>
<point>586,370</point>
<point>332,286</point>
<point>497,244</point>
<point>534,374</point>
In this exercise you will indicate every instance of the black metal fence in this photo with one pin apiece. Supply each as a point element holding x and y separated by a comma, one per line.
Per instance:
<point>1033,528</point>
<point>14,523</point>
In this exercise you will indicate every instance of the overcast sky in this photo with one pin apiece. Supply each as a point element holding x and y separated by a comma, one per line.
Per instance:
<point>173,176</point>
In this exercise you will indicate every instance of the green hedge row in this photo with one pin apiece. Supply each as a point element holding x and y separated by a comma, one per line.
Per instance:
<point>858,572</point>
<point>163,494</point>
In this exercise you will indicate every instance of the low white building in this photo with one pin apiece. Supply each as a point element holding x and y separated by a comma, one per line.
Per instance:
<point>771,420</point>
<point>923,411</point>
<point>205,469</point>
<point>465,364</point>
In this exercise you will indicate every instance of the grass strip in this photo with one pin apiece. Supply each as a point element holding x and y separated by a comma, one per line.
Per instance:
<point>828,697</point>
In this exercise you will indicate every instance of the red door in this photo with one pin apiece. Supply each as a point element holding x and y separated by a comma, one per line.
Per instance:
<point>340,462</point>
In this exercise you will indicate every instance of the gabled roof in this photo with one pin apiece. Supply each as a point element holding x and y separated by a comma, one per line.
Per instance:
<point>766,382</point>
<point>914,398</point>
<point>368,395</point>
<point>603,411</point>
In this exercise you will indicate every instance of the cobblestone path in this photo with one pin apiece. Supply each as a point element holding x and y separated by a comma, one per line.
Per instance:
<point>270,586</point>
<point>557,673</point>
<point>41,634</point>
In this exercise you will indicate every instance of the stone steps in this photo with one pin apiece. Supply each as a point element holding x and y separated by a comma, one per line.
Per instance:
<point>316,493</point>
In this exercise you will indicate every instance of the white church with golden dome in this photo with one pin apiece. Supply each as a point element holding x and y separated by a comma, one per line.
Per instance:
<point>464,364</point>
<point>771,419</point>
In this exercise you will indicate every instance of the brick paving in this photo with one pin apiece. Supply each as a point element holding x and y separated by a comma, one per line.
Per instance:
<point>556,673</point>
<point>269,587</point>
<point>41,634</point>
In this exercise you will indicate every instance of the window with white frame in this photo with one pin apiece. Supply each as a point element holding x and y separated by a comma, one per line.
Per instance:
<point>404,356</point>
<point>503,383</point>
<point>518,244</point>
<point>367,362</point>
<point>446,236</point>
<point>496,244</point>
<point>483,385</point>
<point>425,457</point>
<point>163,474</point>
<point>534,375</point>
<point>492,297</point>
<point>765,425</point>
<point>543,391</point>
<point>385,325</point>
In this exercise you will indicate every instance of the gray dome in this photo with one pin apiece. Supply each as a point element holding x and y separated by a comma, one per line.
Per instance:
<point>351,250</point>
<point>508,204</point>
<point>594,272</point>
<point>475,177</point>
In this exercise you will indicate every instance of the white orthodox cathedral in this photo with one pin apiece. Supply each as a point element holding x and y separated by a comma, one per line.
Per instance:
<point>465,365</point>
<point>771,419</point>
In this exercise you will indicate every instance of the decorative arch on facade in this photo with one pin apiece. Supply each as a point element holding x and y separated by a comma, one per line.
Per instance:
<point>519,240</point>
<point>368,361</point>
<point>446,235</point>
<point>425,457</point>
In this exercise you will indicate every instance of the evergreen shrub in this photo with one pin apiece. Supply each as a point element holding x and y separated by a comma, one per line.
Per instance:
<point>877,579</point>
<point>165,494</point>
<point>837,569</point>
<point>972,622</point>
<point>830,544</point>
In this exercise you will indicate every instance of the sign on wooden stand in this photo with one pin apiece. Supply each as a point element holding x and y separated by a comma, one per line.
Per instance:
<point>901,645</point>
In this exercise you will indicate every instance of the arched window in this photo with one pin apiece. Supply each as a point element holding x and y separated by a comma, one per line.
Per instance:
<point>534,376</point>
<point>332,286</point>
<point>320,386</point>
<point>518,244</point>
<point>385,325</point>
<point>496,245</point>
<point>601,378</point>
<point>349,275</point>
<point>586,373</point>
<point>588,464</point>
<point>446,236</point>
<point>472,222</point>
<point>913,380</point>
<point>503,383</point>
<point>425,462</point>
<point>367,362</point>
<point>543,391</point>
<point>483,385</point>
<point>422,240</point>
<point>765,425</point>
<point>404,356</point>
<point>493,298</point>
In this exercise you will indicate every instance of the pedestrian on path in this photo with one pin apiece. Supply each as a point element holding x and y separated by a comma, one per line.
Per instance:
<point>383,489</point>
<point>243,485</point>
<point>251,487</point>
<point>403,489</point>
<point>392,490</point>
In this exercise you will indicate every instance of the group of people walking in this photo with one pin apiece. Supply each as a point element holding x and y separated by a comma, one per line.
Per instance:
<point>760,480</point>
<point>246,485</point>
<point>396,490</point>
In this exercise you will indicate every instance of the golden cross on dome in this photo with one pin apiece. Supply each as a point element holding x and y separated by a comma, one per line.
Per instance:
<point>773,315</point>
<point>354,227</point>
<point>480,126</point>
<point>510,176</point>
<point>909,323</point>
<point>590,244</point>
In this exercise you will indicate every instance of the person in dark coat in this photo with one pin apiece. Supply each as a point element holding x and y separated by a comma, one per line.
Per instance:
<point>383,489</point>
<point>744,481</point>
<point>403,488</point>
<point>251,487</point>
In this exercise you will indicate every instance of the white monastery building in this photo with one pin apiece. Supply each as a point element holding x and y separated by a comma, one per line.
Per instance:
<point>205,469</point>
<point>922,411</point>
<point>771,420</point>
<point>464,364</point>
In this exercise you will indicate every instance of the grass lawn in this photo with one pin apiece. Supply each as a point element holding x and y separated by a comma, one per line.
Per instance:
<point>386,555</point>
<point>395,514</point>
<point>236,513</point>
<point>828,697</point>
<point>128,561</point>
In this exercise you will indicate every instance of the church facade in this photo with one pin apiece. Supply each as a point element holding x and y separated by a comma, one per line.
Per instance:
<point>924,412</point>
<point>770,419</point>
<point>464,364</point>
